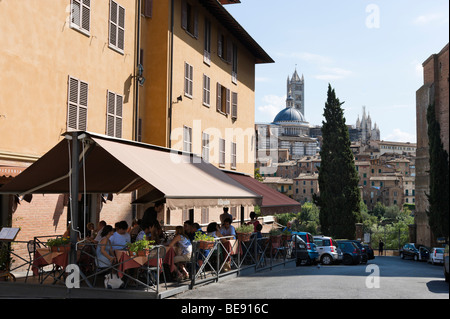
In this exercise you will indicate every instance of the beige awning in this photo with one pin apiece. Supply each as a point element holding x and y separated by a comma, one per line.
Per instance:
<point>110,165</point>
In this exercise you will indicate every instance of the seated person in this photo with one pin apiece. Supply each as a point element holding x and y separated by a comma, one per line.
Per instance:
<point>196,227</point>
<point>189,229</point>
<point>105,253</point>
<point>183,250</point>
<point>213,230</point>
<point>146,231</point>
<point>227,229</point>
<point>120,238</point>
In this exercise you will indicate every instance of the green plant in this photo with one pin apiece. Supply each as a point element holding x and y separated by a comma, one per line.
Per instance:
<point>140,245</point>
<point>275,232</point>
<point>199,236</point>
<point>56,242</point>
<point>245,229</point>
<point>286,232</point>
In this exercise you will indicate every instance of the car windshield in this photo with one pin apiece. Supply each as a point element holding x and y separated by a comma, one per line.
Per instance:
<point>440,251</point>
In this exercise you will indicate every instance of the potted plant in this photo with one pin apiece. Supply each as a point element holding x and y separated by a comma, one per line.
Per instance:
<point>275,235</point>
<point>244,232</point>
<point>5,262</point>
<point>204,241</point>
<point>61,244</point>
<point>286,235</point>
<point>140,247</point>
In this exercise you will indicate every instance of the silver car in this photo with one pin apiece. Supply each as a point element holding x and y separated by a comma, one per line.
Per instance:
<point>329,252</point>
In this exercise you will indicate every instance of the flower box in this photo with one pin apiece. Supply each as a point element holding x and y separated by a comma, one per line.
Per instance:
<point>60,249</point>
<point>244,237</point>
<point>205,245</point>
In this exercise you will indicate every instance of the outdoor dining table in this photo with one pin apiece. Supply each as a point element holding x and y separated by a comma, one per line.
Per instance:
<point>126,261</point>
<point>44,257</point>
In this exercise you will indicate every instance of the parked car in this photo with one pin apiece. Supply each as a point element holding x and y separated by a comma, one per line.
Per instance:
<point>362,249</point>
<point>409,251</point>
<point>351,252</point>
<point>424,253</point>
<point>369,251</point>
<point>436,256</point>
<point>328,250</point>
<point>446,276</point>
<point>299,250</point>
<point>313,255</point>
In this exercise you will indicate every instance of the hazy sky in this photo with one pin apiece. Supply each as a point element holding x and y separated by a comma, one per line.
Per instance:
<point>371,52</point>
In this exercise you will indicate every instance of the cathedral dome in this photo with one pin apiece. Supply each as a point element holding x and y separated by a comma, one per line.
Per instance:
<point>290,114</point>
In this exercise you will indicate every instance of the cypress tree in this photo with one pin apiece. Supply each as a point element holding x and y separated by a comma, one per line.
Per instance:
<point>338,179</point>
<point>438,211</point>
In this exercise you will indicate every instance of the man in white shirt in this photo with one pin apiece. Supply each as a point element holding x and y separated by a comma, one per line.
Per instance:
<point>120,238</point>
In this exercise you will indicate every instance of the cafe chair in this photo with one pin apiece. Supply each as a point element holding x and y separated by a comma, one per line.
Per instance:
<point>151,269</point>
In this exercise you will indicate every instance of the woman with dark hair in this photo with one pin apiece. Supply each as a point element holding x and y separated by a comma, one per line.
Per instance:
<point>182,253</point>
<point>105,253</point>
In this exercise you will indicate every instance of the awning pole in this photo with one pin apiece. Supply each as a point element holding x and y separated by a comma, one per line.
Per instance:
<point>74,197</point>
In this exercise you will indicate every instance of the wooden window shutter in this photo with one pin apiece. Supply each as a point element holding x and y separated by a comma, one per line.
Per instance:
<point>184,16</point>
<point>121,29</point>
<point>110,113</point>
<point>196,23</point>
<point>82,113</point>
<point>219,44</point>
<point>86,15</point>
<point>75,12</point>
<point>72,108</point>
<point>148,8</point>
<point>113,23</point>
<point>234,104</point>
<point>117,26</point>
<point>219,97</point>
<point>228,102</point>
<point>119,108</point>
<point>77,104</point>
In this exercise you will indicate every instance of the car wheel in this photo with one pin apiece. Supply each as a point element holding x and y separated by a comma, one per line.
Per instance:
<point>326,260</point>
<point>347,260</point>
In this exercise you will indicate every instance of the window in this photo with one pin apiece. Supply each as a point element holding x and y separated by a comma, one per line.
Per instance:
<point>223,99</point>
<point>205,147</point>
<point>234,66</point>
<point>147,8</point>
<point>116,26</point>
<point>233,155</point>
<point>206,90</point>
<point>224,47</point>
<point>188,79</point>
<point>187,139</point>
<point>189,18</point>
<point>114,115</point>
<point>207,49</point>
<point>221,152</point>
<point>234,105</point>
<point>80,15</point>
<point>205,215</point>
<point>77,104</point>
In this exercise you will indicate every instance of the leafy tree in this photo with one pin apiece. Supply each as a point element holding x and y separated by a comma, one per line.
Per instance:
<point>438,212</point>
<point>339,199</point>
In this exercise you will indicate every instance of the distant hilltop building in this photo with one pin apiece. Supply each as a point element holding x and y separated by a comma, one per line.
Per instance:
<point>363,131</point>
<point>289,129</point>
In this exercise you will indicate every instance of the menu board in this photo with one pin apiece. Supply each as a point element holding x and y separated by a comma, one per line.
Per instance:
<point>8,233</point>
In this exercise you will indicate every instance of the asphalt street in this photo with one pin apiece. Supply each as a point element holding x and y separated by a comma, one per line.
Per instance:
<point>381,278</point>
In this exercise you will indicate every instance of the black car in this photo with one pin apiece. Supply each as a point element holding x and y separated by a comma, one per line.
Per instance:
<point>369,251</point>
<point>362,249</point>
<point>351,252</point>
<point>299,250</point>
<point>409,251</point>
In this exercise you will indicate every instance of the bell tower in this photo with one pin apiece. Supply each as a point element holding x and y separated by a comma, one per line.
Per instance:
<point>296,89</point>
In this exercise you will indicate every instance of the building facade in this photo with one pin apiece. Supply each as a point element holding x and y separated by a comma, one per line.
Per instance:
<point>70,67</point>
<point>434,90</point>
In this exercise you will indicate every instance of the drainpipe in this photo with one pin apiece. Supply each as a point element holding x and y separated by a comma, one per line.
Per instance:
<point>171,75</point>
<point>136,98</point>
